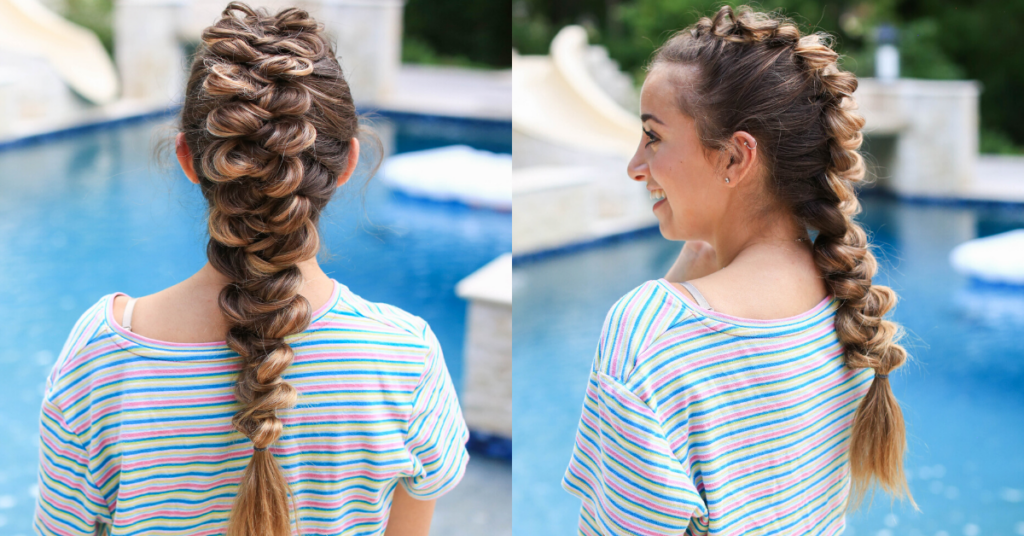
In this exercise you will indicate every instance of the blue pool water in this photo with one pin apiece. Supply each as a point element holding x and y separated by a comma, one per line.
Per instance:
<point>962,395</point>
<point>90,214</point>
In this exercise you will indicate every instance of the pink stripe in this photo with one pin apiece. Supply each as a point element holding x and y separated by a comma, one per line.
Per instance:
<point>713,452</point>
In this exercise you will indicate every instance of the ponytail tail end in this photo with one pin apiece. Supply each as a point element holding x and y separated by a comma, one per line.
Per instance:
<point>263,505</point>
<point>878,446</point>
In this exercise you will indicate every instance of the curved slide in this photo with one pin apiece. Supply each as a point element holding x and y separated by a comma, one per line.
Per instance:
<point>28,27</point>
<point>572,141</point>
<point>557,100</point>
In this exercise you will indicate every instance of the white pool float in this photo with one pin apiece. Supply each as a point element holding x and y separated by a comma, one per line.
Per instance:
<point>455,173</point>
<point>994,259</point>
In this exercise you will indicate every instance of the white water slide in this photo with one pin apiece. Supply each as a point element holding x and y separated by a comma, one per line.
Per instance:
<point>567,98</point>
<point>28,27</point>
<point>573,133</point>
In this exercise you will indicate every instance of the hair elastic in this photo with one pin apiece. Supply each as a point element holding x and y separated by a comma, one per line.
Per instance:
<point>258,449</point>
<point>879,376</point>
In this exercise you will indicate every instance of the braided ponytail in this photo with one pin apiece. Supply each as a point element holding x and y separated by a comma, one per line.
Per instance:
<point>268,117</point>
<point>758,74</point>
<point>842,255</point>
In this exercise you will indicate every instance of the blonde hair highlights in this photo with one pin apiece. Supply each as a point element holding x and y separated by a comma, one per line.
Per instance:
<point>758,73</point>
<point>268,117</point>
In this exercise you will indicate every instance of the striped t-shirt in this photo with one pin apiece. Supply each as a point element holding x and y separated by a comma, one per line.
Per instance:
<point>697,422</point>
<point>136,434</point>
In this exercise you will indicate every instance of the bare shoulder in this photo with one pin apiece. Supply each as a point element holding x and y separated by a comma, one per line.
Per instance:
<point>183,313</point>
<point>763,289</point>
<point>121,302</point>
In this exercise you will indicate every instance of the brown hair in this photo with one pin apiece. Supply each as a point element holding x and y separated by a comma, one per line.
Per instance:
<point>757,73</point>
<point>268,117</point>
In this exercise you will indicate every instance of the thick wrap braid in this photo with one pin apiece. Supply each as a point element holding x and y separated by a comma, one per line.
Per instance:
<point>757,73</point>
<point>269,119</point>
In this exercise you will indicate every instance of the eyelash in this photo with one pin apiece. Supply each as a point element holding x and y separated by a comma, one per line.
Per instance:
<point>651,136</point>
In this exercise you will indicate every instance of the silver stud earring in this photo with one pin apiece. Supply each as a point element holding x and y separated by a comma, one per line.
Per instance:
<point>727,180</point>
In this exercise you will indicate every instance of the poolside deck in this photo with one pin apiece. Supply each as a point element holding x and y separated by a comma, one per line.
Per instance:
<point>998,178</point>
<point>453,91</point>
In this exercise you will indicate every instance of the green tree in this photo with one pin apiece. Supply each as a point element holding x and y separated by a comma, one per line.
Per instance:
<point>461,32</point>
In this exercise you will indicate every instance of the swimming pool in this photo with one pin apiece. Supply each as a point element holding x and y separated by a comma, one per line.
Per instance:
<point>962,395</point>
<point>89,214</point>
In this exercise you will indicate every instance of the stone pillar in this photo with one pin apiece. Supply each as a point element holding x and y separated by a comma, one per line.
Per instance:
<point>937,153</point>
<point>487,360</point>
<point>149,54</point>
<point>368,34</point>
<point>936,127</point>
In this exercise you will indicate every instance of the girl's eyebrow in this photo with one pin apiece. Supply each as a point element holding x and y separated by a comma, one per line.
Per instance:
<point>650,117</point>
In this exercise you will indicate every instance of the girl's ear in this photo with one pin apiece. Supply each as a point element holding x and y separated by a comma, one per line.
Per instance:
<point>740,156</point>
<point>353,160</point>
<point>184,155</point>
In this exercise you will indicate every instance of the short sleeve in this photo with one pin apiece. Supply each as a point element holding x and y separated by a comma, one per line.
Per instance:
<point>633,324</point>
<point>437,434</point>
<point>624,470</point>
<point>69,501</point>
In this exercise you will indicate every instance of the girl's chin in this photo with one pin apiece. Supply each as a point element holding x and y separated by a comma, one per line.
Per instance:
<point>668,232</point>
<point>669,227</point>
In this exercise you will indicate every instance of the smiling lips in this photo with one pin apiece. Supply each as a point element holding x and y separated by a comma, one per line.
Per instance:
<point>657,195</point>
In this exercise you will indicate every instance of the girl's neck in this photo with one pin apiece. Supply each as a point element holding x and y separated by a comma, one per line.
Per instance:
<point>189,312</point>
<point>763,272</point>
<point>312,276</point>
<point>777,234</point>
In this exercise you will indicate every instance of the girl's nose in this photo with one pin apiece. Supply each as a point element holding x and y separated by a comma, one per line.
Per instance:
<point>637,168</point>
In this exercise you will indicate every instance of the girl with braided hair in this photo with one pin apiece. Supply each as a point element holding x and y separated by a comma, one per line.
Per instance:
<point>259,397</point>
<point>746,392</point>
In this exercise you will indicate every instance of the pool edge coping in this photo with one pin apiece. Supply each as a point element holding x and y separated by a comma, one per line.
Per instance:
<point>490,445</point>
<point>158,113</point>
